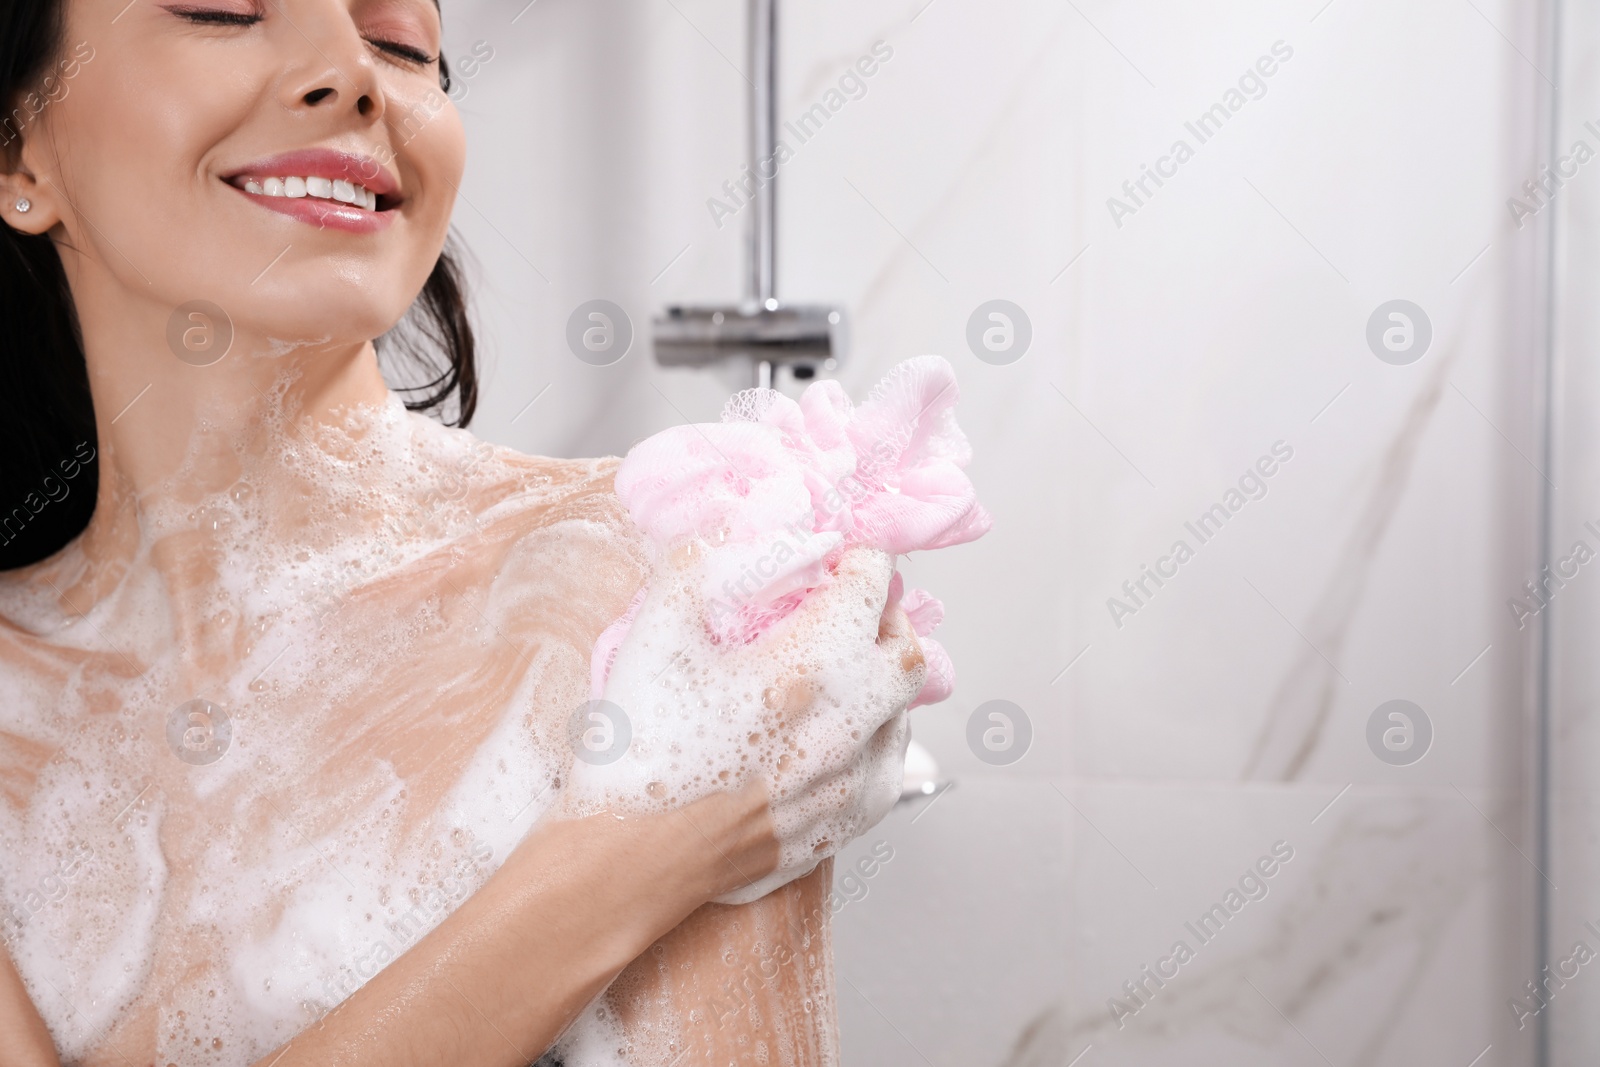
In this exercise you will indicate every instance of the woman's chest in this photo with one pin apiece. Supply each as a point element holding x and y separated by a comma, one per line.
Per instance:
<point>220,831</point>
<point>201,877</point>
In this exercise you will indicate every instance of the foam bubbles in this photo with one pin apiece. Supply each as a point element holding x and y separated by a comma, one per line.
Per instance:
<point>395,619</point>
<point>794,707</point>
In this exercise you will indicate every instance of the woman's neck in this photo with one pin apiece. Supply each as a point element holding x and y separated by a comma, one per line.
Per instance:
<point>174,427</point>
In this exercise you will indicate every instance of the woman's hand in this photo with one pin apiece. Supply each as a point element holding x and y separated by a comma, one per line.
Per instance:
<point>814,708</point>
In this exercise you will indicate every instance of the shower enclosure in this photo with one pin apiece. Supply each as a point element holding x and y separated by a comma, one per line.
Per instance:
<point>1285,425</point>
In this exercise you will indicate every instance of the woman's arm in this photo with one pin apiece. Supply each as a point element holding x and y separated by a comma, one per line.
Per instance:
<point>22,1031</point>
<point>502,976</point>
<point>749,983</point>
<point>499,979</point>
<point>754,983</point>
<point>579,900</point>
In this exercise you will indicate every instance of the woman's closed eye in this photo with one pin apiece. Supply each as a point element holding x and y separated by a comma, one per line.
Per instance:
<point>248,15</point>
<point>237,15</point>
<point>403,30</point>
<point>409,53</point>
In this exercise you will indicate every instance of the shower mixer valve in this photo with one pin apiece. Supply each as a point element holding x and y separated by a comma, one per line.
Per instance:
<point>804,337</point>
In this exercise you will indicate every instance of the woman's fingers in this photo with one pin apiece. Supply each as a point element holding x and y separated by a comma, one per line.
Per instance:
<point>852,598</point>
<point>835,734</point>
<point>826,635</point>
<point>741,826</point>
<point>886,769</point>
<point>898,640</point>
<point>868,783</point>
<point>902,667</point>
<point>814,708</point>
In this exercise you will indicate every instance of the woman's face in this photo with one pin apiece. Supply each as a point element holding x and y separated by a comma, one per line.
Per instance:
<point>169,127</point>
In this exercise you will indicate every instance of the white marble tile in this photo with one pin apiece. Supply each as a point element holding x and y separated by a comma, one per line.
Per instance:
<point>964,935</point>
<point>1379,929</point>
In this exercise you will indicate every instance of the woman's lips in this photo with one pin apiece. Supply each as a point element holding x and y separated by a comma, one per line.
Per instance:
<point>326,214</point>
<point>323,187</point>
<point>323,163</point>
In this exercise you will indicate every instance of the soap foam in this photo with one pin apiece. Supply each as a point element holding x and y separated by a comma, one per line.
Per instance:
<point>774,531</point>
<point>376,611</point>
<point>795,707</point>
<point>397,620</point>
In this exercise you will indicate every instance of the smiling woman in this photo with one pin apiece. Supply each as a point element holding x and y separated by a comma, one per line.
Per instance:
<point>299,724</point>
<point>32,285</point>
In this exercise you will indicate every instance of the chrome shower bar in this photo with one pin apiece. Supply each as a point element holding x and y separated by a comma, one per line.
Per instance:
<point>762,283</point>
<point>760,330</point>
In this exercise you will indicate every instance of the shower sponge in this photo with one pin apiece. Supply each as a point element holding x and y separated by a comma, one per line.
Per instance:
<point>767,642</point>
<point>778,490</point>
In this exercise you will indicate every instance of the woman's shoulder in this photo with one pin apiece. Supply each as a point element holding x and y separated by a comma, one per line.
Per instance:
<point>543,491</point>
<point>559,552</point>
<point>455,469</point>
<point>530,511</point>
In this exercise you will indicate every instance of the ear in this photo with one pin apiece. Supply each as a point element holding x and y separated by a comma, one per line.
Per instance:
<point>27,204</point>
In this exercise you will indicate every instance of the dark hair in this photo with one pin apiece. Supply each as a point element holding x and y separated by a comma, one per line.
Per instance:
<point>48,439</point>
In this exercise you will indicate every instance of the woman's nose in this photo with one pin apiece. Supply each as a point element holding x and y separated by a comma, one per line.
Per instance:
<point>334,69</point>
<point>367,103</point>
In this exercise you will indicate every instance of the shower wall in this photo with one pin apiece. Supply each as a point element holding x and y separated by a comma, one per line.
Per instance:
<point>1205,213</point>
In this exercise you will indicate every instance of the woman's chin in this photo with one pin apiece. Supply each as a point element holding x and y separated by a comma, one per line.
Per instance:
<point>286,330</point>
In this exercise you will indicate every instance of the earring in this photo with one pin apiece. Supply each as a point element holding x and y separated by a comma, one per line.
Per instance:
<point>24,204</point>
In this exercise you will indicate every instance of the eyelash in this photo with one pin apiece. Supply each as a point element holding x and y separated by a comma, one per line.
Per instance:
<point>404,51</point>
<point>210,17</point>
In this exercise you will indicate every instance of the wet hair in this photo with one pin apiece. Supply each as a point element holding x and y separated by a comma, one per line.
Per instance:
<point>48,470</point>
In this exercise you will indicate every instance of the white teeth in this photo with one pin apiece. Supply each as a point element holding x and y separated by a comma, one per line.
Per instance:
<point>345,192</point>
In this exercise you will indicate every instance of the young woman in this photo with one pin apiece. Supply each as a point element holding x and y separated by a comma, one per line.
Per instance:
<point>289,674</point>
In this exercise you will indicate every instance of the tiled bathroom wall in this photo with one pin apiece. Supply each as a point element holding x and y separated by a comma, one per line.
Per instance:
<point>1207,762</point>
